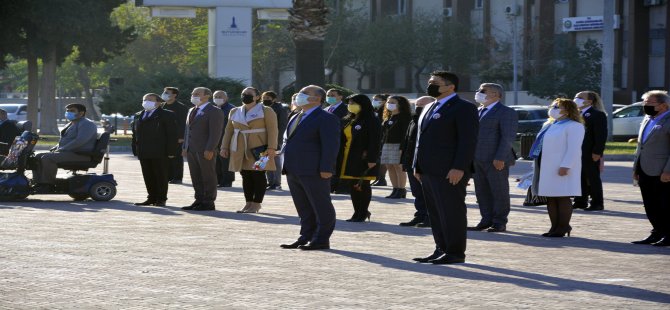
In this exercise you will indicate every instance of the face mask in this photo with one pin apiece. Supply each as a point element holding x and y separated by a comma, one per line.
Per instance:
<point>650,110</point>
<point>418,110</point>
<point>195,100</point>
<point>354,108</point>
<point>148,105</point>
<point>247,99</point>
<point>433,90</point>
<point>579,102</point>
<point>391,106</point>
<point>301,99</point>
<point>165,96</point>
<point>218,101</point>
<point>267,102</point>
<point>480,97</point>
<point>70,116</point>
<point>331,100</point>
<point>376,103</point>
<point>555,113</point>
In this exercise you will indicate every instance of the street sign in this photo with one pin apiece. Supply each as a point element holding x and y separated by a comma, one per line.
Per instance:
<point>178,12</point>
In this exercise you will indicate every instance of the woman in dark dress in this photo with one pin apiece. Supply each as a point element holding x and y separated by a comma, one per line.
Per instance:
<point>359,152</point>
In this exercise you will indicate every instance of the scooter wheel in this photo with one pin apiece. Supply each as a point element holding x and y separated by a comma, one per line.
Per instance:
<point>78,197</point>
<point>102,191</point>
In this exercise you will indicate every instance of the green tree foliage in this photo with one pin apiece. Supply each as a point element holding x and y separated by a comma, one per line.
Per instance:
<point>273,52</point>
<point>572,69</point>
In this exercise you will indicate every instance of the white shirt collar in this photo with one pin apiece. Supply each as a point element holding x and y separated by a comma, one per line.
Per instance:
<point>490,107</point>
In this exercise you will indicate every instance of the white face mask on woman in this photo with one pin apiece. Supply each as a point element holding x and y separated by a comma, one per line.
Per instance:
<point>579,102</point>
<point>555,113</point>
<point>391,106</point>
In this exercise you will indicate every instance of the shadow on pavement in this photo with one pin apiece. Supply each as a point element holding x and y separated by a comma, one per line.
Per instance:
<point>524,279</point>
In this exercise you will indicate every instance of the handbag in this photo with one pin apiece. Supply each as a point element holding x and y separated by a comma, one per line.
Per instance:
<point>534,200</point>
<point>258,151</point>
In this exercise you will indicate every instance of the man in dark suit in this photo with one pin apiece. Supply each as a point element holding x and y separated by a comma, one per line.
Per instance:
<point>443,162</point>
<point>593,147</point>
<point>270,99</point>
<point>310,150</point>
<point>204,126</point>
<point>652,166</point>
<point>224,176</point>
<point>176,164</point>
<point>8,132</point>
<point>334,101</point>
<point>154,144</point>
<point>493,157</point>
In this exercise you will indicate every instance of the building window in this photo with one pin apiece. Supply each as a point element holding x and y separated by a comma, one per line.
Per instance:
<point>479,4</point>
<point>657,42</point>
<point>393,7</point>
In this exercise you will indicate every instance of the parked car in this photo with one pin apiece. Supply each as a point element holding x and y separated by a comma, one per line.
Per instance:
<point>531,118</point>
<point>626,121</point>
<point>15,111</point>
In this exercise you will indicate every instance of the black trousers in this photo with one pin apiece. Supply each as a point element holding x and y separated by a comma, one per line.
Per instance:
<point>176,166</point>
<point>223,176</point>
<point>447,212</point>
<point>417,192</point>
<point>360,196</point>
<point>154,171</point>
<point>656,202</point>
<point>591,183</point>
<point>254,184</point>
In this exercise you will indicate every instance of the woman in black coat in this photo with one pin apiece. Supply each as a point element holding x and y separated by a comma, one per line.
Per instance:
<point>359,153</point>
<point>397,116</point>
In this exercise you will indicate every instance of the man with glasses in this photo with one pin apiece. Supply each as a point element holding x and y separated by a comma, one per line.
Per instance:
<point>652,166</point>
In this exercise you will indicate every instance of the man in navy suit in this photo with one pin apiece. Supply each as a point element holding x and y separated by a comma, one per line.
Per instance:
<point>311,144</point>
<point>445,150</point>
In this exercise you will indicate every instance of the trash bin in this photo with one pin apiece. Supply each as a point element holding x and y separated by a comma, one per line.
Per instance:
<point>527,141</point>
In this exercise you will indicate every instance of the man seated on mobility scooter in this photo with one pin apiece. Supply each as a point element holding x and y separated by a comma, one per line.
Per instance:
<point>78,136</point>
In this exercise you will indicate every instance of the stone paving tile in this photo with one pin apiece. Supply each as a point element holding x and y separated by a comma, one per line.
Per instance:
<point>60,254</point>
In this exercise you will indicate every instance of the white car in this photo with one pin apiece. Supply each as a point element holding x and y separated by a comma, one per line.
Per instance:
<point>626,121</point>
<point>15,111</point>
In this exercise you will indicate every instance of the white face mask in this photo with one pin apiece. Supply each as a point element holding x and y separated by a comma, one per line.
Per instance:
<point>555,113</point>
<point>218,101</point>
<point>376,103</point>
<point>301,99</point>
<point>165,96</point>
<point>579,102</point>
<point>391,106</point>
<point>195,100</point>
<point>480,97</point>
<point>148,105</point>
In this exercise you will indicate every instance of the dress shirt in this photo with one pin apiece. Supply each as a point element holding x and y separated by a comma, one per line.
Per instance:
<point>650,125</point>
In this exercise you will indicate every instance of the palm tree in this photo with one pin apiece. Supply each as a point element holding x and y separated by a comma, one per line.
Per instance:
<point>308,25</point>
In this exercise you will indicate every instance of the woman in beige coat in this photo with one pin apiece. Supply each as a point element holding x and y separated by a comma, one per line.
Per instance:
<point>251,129</point>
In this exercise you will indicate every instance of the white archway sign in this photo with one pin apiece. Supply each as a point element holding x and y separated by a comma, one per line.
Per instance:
<point>229,44</point>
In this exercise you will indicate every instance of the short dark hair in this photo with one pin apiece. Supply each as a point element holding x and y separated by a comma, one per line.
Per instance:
<point>78,106</point>
<point>382,96</point>
<point>270,94</point>
<point>339,92</point>
<point>447,76</point>
<point>157,96</point>
<point>256,91</point>
<point>174,90</point>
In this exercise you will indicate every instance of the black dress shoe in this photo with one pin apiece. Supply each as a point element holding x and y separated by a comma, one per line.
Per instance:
<point>379,182</point>
<point>497,228</point>
<point>664,242</point>
<point>480,227</point>
<point>205,207</point>
<point>427,259</point>
<point>293,245</point>
<point>191,207</point>
<point>649,240</point>
<point>579,205</point>
<point>413,222</point>
<point>424,224</point>
<point>175,182</point>
<point>447,259</point>
<point>144,203</point>
<point>595,208</point>
<point>271,187</point>
<point>312,247</point>
<point>159,204</point>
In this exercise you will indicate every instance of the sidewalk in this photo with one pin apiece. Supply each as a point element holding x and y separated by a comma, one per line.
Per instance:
<point>56,253</point>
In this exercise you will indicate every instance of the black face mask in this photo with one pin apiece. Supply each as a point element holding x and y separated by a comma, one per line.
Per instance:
<point>418,110</point>
<point>433,90</point>
<point>247,99</point>
<point>267,102</point>
<point>650,110</point>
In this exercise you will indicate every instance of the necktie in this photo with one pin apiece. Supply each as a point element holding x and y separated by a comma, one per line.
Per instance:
<point>146,115</point>
<point>191,116</point>
<point>429,115</point>
<point>331,109</point>
<point>295,123</point>
<point>481,113</point>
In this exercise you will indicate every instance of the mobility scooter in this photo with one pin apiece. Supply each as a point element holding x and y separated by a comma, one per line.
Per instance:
<point>21,157</point>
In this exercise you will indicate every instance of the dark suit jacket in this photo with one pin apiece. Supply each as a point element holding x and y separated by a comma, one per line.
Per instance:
<point>596,133</point>
<point>204,132</point>
<point>341,110</point>
<point>8,131</point>
<point>225,108</point>
<point>364,148</point>
<point>181,112</point>
<point>449,139</point>
<point>497,132</point>
<point>408,144</point>
<point>156,136</point>
<point>313,146</point>
<point>282,120</point>
<point>395,128</point>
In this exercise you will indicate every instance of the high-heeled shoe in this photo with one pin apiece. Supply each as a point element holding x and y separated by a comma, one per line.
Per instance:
<point>393,194</point>
<point>361,218</point>
<point>402,193</point>
<point>245,209</point>
<point>254,207</point>
<point>352,218</point>
<point>559,234</point>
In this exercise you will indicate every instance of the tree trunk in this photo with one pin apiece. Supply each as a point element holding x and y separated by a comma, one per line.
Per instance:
<point>48,111</point>
<point>33,90</point>
<point>85,80</point>
<point>309,67</point>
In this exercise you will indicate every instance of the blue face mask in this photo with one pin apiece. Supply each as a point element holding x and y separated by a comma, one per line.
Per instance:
<point>70,116</point>
<point>331,100</point>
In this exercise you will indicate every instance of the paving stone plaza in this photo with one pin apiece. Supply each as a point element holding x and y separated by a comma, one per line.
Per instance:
<point>60,254</point>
